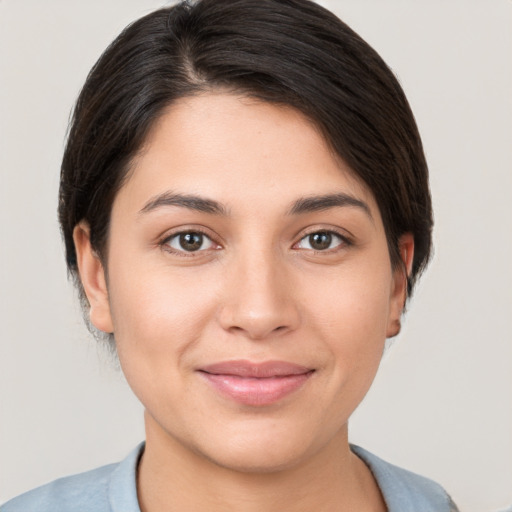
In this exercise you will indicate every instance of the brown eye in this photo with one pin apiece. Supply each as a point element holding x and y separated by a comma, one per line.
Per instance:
<point>321,241</point>
<point>190,241</point>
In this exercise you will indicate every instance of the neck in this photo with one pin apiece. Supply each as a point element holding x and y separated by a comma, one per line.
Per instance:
<point>172,477</point>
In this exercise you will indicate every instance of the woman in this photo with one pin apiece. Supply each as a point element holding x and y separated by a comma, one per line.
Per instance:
<point>244,201</point>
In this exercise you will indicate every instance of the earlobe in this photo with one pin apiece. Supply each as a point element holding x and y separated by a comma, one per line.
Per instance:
<point>399,284</point>
<point>92,275</point>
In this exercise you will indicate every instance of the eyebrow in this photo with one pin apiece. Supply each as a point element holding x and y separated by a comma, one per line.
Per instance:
<point>190,201</point>
<point>325,202</point>
<point>301,206</point>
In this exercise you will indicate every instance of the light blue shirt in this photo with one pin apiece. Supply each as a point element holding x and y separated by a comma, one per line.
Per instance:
<point>113,488</point>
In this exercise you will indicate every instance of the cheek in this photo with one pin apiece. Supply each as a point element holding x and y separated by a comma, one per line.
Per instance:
<point>353,299</point>
<point>159,318</point>
<point>350,310</point>
<point>157,310</point>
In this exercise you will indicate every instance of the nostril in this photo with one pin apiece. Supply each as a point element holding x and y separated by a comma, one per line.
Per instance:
<point>258,332</point>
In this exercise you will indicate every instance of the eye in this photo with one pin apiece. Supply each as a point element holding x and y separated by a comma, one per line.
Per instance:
<point>321,241</point>
<point>189,241</point>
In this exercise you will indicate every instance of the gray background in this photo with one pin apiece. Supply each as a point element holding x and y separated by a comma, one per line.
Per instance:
<point>442,402</point>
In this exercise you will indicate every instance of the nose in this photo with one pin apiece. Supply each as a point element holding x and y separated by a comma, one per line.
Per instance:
<point>258,299</point>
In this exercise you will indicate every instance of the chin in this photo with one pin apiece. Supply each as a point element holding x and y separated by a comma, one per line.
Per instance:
<point>264,449</point>
<point>257,461</point>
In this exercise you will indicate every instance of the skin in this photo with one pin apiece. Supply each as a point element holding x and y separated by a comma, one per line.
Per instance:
<point>255,290</point>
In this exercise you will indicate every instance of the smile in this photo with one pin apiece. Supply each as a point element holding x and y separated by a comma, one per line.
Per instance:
<point>255,384</point>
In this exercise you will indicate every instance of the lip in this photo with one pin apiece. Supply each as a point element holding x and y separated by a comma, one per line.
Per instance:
<point>255,384</point>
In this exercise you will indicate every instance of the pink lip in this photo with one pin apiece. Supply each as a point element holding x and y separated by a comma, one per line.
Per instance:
<point>256,383</point>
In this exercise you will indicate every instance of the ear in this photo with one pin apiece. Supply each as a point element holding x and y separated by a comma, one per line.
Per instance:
<point>92,275</point>
<point>399,283</point>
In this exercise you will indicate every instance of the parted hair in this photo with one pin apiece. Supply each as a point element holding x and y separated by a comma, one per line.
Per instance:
<point>287,52</point>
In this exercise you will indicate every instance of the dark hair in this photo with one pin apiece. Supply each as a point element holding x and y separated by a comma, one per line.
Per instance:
<point>290,52</point>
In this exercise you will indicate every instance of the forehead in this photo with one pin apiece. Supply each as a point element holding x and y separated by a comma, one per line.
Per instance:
<point>238,149</point>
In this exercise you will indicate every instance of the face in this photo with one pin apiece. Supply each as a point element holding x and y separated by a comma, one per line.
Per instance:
<point>249,289</point>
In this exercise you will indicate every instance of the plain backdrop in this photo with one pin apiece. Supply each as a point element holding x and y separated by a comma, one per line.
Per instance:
<point>442,402</point>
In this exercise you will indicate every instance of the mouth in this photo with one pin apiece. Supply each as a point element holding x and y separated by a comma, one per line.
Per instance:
<point>255,384</point>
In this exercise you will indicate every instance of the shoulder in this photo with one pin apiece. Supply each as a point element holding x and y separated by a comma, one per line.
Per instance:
<point>105,489</point>
<point>72,493</point>
<point>405,490</point>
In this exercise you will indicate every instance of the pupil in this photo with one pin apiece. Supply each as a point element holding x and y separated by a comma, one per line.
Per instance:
<point>320,241</point>
<point>191,241</point>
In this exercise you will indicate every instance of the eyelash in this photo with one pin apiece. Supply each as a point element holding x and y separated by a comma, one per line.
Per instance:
<point>166,242</point>
<point>344,242</point>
